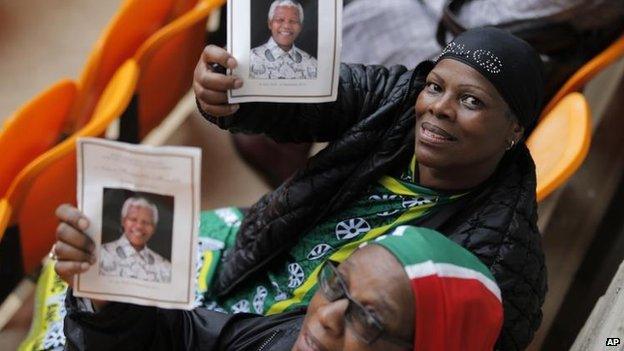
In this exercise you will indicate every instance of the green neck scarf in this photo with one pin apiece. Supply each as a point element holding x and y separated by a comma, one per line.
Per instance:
<point>391,202</point>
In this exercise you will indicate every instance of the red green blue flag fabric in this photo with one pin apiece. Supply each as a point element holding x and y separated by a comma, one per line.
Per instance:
<point>458,303</point>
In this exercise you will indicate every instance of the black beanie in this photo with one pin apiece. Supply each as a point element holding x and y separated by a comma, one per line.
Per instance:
<point>508,62</point>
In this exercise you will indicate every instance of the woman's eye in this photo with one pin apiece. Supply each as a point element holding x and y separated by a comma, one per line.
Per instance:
<point>471,101</point>
<point>433,87</point>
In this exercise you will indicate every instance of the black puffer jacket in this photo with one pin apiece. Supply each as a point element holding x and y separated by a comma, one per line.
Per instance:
<point>120,326</point>
<point>371,130</point>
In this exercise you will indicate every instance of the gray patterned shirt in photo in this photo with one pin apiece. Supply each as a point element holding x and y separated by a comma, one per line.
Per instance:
<point>120,259</point>
<point>269,61</point>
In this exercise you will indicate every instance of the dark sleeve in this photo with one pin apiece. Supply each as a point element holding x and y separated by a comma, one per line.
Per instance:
<point>253,332</point>
<point>361,91</point>
<point>120,326</point>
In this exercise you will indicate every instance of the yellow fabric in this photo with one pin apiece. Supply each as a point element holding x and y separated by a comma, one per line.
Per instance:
<point>395,187</point>
<point>49,311</point>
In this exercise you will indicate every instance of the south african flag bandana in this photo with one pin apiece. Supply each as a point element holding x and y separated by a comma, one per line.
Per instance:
<point>458,303</point>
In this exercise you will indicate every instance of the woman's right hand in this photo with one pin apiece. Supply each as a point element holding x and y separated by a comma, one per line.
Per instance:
<point>74,250</point>
<point>210,86</point>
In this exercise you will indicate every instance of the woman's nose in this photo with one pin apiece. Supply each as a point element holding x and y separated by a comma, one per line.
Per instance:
<point>443,107</point>
<point>332,316</point>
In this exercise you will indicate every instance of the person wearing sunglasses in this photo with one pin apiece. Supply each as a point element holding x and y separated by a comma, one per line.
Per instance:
<point>423,292</point>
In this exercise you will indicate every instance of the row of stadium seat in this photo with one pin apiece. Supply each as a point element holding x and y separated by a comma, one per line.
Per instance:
<point>138,70</point>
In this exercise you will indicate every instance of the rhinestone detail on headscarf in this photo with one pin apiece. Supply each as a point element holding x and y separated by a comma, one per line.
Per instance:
<point>484,58</point>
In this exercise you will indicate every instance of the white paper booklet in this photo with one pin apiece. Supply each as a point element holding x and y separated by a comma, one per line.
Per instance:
<point>143,203</point>
<point>287,50</point>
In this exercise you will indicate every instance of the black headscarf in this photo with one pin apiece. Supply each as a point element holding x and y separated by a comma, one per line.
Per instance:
<point>508,62</point>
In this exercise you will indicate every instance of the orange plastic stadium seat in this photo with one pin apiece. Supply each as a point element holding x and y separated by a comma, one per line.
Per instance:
<point>50,179</point>
<point>34,129</point>
<point>587,72</point>
<point>134,22</point>
<point>560,143</point>
<point>180,7</point>
<point>167,60</point>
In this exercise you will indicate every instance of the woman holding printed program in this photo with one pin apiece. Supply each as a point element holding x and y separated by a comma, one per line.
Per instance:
<point>438,147</point>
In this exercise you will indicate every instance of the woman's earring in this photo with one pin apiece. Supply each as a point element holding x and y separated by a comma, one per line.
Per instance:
<point>511,145</point>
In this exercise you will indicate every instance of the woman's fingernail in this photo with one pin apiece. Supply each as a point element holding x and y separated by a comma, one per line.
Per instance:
<point>83,223</point>
<point>234,108</point>
<point>231,62</point>
<point>84,266</point>
<point>238,83</point>
<point>92,259</point>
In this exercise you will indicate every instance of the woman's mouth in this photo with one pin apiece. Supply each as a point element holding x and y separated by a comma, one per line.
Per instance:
<point>434,134</point>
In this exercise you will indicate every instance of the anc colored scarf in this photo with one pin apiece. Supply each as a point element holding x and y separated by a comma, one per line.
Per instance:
<point>292,283</point>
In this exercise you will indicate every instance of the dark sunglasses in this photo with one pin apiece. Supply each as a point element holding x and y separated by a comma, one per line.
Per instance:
<point>365,324</point>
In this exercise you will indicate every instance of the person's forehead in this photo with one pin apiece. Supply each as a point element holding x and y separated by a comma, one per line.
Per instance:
<point>140,209</point>
<point>374,272</point>
<point>285,10</point>
<point>375,277</point>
